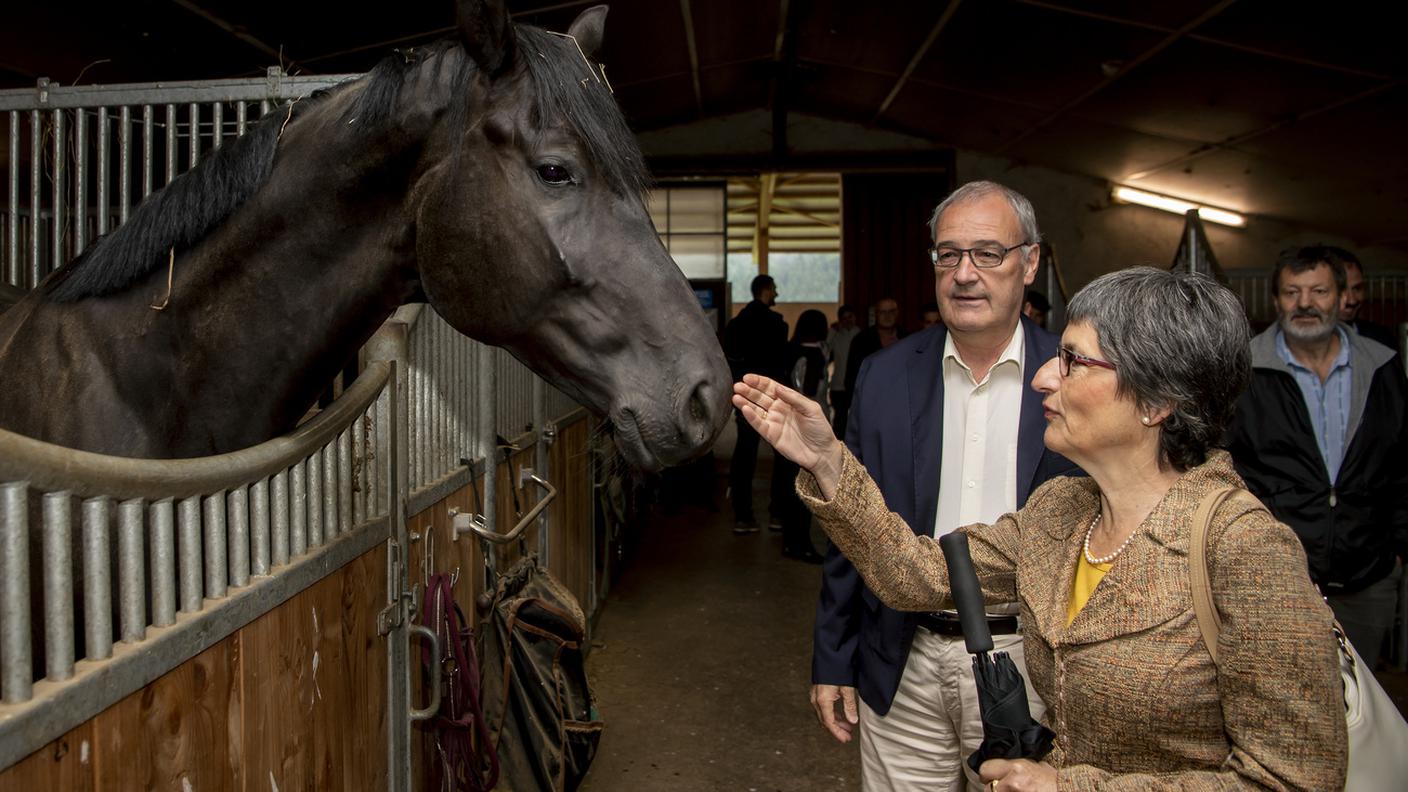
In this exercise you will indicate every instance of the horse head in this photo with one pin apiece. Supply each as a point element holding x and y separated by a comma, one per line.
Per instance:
<point>531,233</point>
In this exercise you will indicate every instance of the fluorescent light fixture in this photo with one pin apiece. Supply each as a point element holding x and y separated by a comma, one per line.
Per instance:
<point>1177,206</point>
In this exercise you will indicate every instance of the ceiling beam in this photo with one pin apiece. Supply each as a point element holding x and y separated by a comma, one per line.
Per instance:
<point>918,56</point>
<point>237,31</point>
<point>693,55</point>
<point>1236,140</point>
<point>760,231</point>
<point>784,58</point>
<point>1232,45</point>
<point>1128,67</point>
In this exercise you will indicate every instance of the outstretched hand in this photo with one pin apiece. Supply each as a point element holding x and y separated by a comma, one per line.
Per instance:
<point>793,425</point>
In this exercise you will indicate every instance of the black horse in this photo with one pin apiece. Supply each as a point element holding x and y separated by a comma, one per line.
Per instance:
<point>491,176</point>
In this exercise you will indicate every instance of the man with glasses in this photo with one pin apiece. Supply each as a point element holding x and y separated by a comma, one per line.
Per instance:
<point>947,424</point>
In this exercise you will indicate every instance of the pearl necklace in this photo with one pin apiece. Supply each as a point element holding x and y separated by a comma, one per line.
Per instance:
<point>1112,556</point>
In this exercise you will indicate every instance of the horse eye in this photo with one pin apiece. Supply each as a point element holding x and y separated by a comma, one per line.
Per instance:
<point>554,174</point>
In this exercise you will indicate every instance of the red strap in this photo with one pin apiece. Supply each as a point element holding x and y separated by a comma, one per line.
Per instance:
<point>461,716</point>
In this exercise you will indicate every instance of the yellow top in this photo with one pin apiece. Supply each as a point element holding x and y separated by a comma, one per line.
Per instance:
<point>1088,576</point>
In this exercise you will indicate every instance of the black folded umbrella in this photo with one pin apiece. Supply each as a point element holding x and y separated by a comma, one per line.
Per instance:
<point>1009,731</point>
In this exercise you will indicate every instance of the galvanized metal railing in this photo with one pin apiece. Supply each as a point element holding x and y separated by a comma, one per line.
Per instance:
<point>202,547</point>
<point>81,157</point>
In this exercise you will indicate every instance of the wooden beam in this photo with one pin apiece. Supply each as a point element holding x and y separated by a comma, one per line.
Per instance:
<point>693,55</point>
<point>760,231</point>
<point>918,56</point>
<point>1133,64</point>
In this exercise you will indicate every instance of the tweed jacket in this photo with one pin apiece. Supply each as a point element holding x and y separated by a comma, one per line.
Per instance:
<point>1132,693</point>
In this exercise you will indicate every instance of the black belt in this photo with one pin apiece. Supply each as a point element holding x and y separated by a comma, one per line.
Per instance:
<point>948,624</point>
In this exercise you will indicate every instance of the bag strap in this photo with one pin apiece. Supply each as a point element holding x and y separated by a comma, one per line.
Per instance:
<point>1209,623</point>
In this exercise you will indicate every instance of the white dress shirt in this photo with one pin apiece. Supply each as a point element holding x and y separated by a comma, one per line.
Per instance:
<point>978,471</point>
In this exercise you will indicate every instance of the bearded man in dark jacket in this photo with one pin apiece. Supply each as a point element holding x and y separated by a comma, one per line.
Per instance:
<point>1321,437</point>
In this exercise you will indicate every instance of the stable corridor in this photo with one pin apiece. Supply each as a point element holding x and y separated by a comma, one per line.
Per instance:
<point>701,662</point>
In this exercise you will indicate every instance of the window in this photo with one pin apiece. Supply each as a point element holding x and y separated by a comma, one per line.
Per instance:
<point>690,219</point>
<point>791,221</point>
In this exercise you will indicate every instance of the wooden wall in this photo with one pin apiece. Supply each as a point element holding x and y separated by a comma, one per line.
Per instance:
<point>295,700</point>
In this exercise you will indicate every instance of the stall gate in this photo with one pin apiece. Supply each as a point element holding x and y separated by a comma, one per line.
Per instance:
<point>244,620</point>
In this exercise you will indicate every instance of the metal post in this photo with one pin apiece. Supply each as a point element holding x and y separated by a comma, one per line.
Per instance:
<point>16,665</point>
<point>58,586</point>
<point>259,526</point>
<point>163,529</point>
<point>344,478</point>
<point>80,181</point>
<point>12,238</point>
<point>103,172</point>
<point>36,234</point>
<point>56,256</point>
<point>170,143</point>
<point>488,411</point>
<point>216,560</point>
<point>188,531</point>
<point>279,506</point>
<point>331,527</point>
<point>315,499</point>
<point>131,571</point>
<point>195,134</point>
<point>298,513</point>
<point>241,117</point>
<point>97,579</point>
<point>124,163</point>
<point>541,459</point>
<point>217,123</point>
<point>237,505</point>
<point>147,123</point>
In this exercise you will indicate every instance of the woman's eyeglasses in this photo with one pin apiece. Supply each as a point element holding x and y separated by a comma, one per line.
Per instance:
<point>1068,357</point>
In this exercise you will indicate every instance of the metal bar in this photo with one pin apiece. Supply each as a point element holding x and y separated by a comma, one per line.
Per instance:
<point>58,586</point>
<point>12,237</point>
<point>412,371</point>
<point>241,117</point>
<point>124,163</point>
<point>315,499</point>
<point>298,513</point>
<point>359,467</point>
<point>488,412</point>
<point>331,525</point>
<point>259,526</point>
<point>344,479</point>
<point>188,532</point>
<point>171,136</point>
<point>147,124</point>
<point>131,571</point>
<point>80,180</point>
<point>237,511</point>
<point>97,579</point>
<point>16,668</point>
<point>194,143</point>
<point>216,560</point>
<point>541,463</point>
<point>162,518</point>
<point>103,172</point>
<point>57,231</point>
<point>217,124</point>
<point>278,504</point>
<point>179,92</point>
<point>36,154</point>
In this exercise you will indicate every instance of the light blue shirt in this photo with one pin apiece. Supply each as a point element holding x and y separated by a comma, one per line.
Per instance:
<point>1328,402</point>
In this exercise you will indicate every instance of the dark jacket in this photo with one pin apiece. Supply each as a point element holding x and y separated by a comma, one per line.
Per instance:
<point>1353,527</point>
<point>755,342</point>
<point>865,344</point>
<point>896,431</point>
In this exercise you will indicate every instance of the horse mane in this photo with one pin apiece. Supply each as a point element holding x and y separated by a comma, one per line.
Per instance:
<point>181,214</point>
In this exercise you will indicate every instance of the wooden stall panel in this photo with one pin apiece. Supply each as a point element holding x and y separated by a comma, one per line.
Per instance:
<point>180,732</point>
<point>314,677</point>
<point>66,763</point>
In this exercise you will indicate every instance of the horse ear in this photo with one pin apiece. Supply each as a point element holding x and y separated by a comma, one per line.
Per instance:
<point>588,28</point>
<point>486,33</point>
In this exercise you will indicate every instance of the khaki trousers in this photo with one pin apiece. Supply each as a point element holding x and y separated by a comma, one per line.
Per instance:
<point>923,742</point>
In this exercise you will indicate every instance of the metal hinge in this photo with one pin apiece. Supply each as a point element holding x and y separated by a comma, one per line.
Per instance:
<point>402,609</point>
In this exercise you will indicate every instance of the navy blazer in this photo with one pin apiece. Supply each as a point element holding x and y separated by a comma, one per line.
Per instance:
<point>896,430</point>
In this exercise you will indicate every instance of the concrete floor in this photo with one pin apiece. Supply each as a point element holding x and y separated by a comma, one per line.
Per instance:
<point>701,662</point>
<point>701,665</point>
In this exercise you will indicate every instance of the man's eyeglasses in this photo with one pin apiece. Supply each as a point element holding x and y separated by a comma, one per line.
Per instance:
<point>1068,357</point>
<point>982,257</point>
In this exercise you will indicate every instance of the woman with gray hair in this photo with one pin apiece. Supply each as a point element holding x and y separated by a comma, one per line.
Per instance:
<point>1150,365</point>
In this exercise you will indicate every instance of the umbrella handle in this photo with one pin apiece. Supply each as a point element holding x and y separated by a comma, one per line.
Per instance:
<point>967,594</point>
